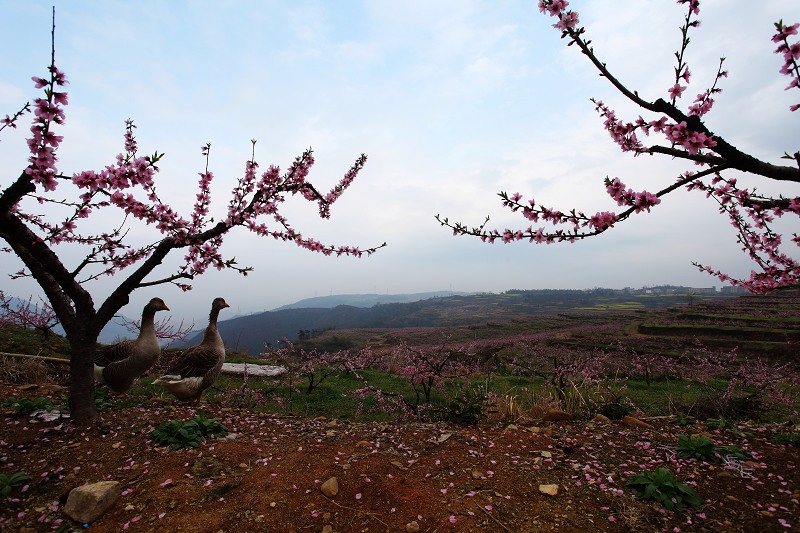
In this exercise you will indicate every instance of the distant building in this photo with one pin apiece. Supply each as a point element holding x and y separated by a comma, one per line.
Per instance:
<point>705,290</point>
<point>732,289</point>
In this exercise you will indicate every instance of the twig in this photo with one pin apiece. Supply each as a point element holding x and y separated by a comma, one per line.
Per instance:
<point>734,463</point>
<point>493,518</point>
<point>36,357</point>
<point>371,515</point>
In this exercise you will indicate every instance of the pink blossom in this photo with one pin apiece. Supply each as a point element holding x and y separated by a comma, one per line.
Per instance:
<point>676,91</point>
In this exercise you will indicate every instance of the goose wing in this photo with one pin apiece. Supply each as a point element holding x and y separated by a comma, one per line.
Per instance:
<point>195,362</point>
<point>114,353</point>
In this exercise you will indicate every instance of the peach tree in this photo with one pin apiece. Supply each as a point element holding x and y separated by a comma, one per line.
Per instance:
<point>44,211</point>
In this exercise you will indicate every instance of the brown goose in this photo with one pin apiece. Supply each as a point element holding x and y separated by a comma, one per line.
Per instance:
<point>197,368</point>
<point>119,365</point>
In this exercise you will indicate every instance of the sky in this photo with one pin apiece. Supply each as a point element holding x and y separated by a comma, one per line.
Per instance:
<point>453,101</point>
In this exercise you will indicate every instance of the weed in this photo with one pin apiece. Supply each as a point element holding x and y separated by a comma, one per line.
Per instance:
<point>700,447</point>
<point>177,434</point>
<point>684,420</point>
<point>10,483</point>
<point>25,406</point>
<point>102,401</point>
<point>662,487</point>
<point>787,438</point>
<point>719,423</point>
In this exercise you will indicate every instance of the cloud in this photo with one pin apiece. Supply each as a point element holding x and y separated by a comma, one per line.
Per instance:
<point>453,101</point>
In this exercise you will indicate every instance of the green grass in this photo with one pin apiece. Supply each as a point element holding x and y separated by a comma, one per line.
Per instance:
<point>32,342</point>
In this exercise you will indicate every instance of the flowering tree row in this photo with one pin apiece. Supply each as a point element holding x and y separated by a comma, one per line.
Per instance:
<point>685,137</point>
<point>440,380</point>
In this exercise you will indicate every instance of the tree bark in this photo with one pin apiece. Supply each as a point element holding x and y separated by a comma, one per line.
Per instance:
<point>81,382</point>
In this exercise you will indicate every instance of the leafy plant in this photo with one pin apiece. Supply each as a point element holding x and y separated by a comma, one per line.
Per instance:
<point>26,406</point>
<point>662,487</point>
<point>9,483</point>
<point>683,420</point>
<point>102,401</point>
<point>696,446</point>
<point>699,447</point>
<point>178,434</point>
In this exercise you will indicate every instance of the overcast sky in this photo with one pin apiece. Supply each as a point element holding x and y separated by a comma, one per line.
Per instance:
<point>452,100</point>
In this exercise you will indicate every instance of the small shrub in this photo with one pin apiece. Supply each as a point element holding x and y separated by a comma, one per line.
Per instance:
<point>9,484</point>
<point>662,487</point>
<point>467,408</point>
<point>25,406</point>
<point>177,434</point>
<point>700,447</point>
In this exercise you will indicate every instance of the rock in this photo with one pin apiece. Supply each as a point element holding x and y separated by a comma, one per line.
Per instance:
<point>327,529</point>
<point>550,490</point>
<point>635,422</point>
<point>601,418</point>
<point>412,527</point>
<point>555,415</point>
<point>330,488</point>
<point>87,503</point>
<point>443,437</point>
<point>476,474</point>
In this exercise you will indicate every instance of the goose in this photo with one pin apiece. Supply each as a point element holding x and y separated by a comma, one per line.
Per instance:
<point>118,365</point>
<point>197,368</point>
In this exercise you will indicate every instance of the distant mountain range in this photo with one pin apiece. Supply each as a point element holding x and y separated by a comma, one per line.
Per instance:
<point>114,331</point>
<point>252,333</point>
<point>364,300</point>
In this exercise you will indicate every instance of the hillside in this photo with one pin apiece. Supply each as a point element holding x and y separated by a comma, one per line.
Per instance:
<point>250,334</point>
<point>759,326</point>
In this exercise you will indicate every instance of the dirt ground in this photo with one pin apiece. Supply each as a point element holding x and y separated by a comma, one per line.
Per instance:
<point>267,473</point>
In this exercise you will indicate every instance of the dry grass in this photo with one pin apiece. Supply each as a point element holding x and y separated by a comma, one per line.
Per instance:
<point>522,404</point>
<point>21,371</point>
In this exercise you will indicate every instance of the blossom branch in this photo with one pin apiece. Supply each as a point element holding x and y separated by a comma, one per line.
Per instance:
<point>689,139</point>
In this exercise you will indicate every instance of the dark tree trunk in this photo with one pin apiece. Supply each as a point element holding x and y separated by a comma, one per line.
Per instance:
<point>81,382</point>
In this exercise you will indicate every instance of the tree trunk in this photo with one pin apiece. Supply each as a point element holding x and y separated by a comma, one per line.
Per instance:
<point>81,383</point>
